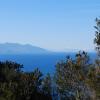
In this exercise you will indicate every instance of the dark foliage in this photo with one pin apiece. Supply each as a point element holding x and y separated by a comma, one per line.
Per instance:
<point>18,85</point>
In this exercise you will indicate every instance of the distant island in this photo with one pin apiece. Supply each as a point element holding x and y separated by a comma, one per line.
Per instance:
<point>15,48</point>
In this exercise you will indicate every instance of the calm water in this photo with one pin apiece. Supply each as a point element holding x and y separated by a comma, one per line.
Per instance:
<point>45,62</point>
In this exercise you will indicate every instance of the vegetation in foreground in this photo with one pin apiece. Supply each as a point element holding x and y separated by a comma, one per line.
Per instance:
<point>77,79</point>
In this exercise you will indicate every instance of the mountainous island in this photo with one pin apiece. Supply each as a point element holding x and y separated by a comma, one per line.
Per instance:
<point>15,48</point>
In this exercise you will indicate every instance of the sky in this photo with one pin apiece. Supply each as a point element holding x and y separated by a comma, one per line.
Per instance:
<point>56,25</point>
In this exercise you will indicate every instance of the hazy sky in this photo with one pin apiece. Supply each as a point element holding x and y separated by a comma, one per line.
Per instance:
<point>52,24</point>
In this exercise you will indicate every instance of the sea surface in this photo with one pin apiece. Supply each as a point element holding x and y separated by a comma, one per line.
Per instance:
<point>45,62</point>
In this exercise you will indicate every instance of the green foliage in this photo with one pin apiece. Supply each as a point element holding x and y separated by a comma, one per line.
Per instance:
<point>96,81</point>
<point>70,77</point>
<point>18,85</point>
<point>97,35</point>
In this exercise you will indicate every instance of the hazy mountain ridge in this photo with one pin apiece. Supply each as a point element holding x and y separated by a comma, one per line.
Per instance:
<point>15,48</point>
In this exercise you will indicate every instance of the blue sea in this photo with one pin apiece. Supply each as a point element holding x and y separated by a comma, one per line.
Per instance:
<point>45,62</point>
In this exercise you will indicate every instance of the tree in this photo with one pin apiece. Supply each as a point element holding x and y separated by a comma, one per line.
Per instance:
<point>97,35</point>
<point>9,74</point>
<point>94,73</point>
<point>70,78</point>
<point>18,85</point>
<point>96,81</point>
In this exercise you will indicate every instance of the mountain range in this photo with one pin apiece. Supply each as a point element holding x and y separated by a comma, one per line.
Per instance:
<point>15,48</point>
